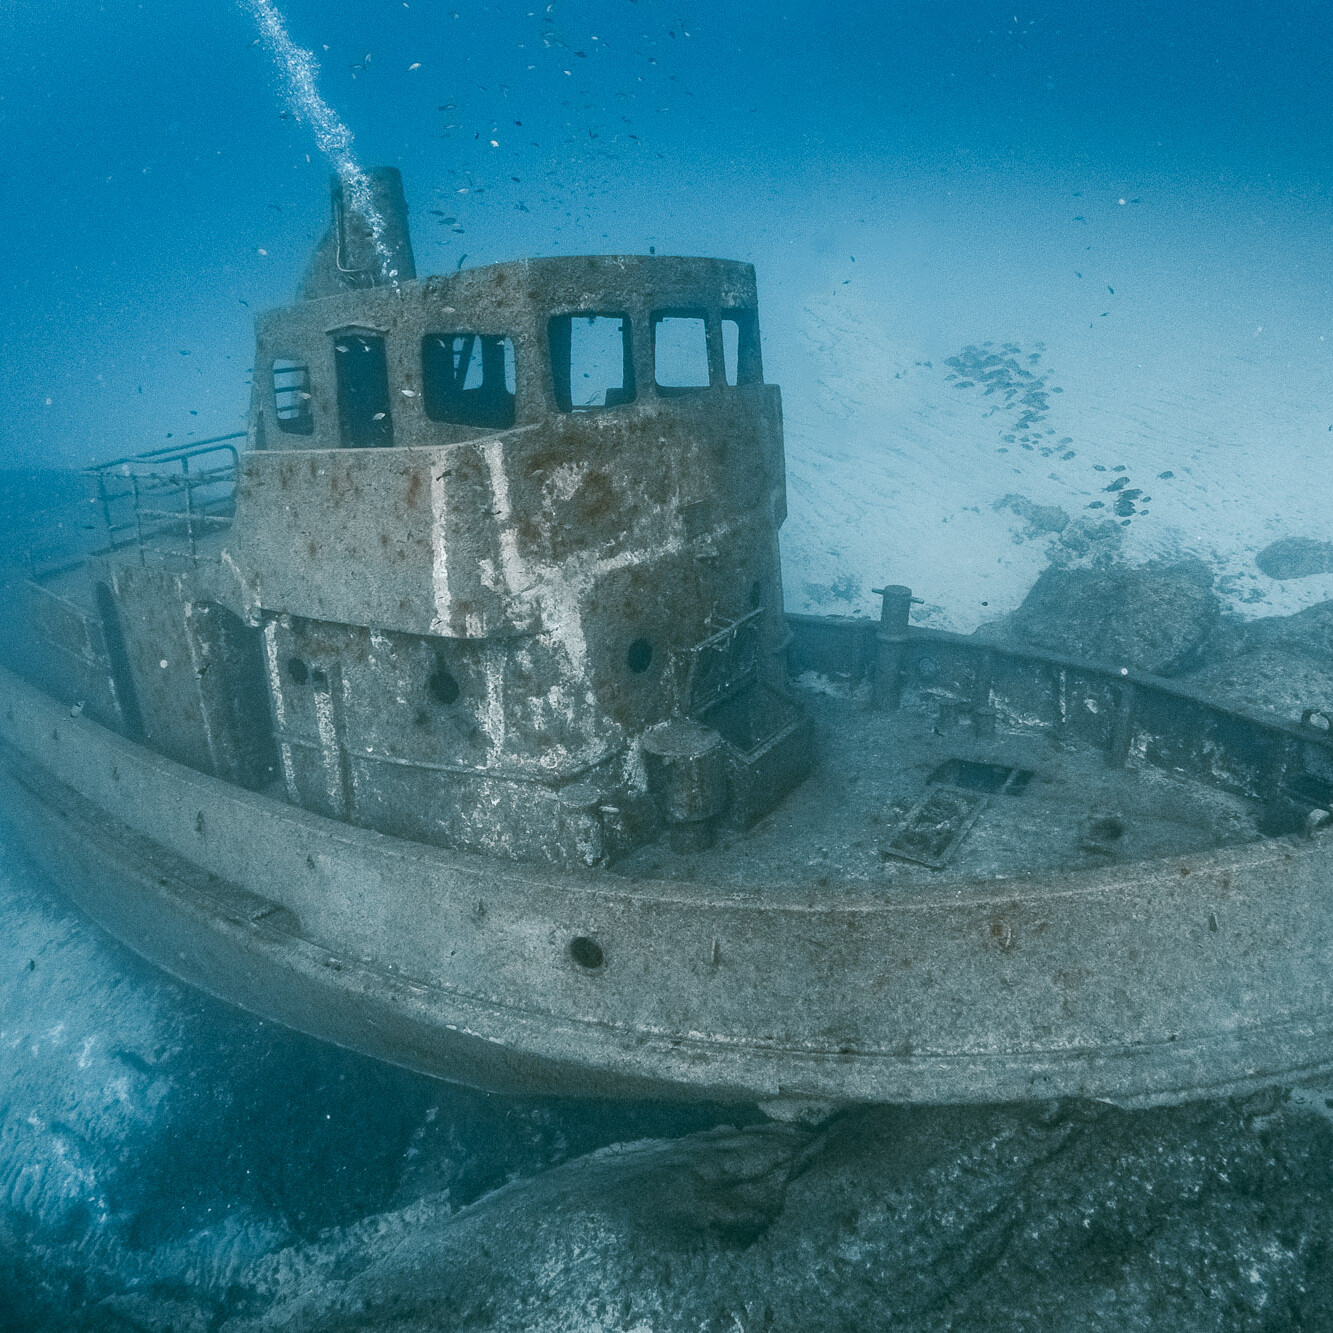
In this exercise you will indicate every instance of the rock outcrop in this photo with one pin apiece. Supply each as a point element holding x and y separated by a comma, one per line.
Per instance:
<point>1151,617</point>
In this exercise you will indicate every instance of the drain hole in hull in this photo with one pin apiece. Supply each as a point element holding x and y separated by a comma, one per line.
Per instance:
<point>587,953</point>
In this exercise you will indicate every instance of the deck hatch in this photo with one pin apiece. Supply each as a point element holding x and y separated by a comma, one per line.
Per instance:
<point>989,778</point>
<point>931,831</point>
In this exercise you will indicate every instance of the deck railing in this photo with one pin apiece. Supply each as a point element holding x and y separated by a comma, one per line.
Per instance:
<point>166,500</point>
<point>183,492</point>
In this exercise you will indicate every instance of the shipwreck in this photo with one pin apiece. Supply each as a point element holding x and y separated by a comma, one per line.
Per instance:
<point>450,712</point>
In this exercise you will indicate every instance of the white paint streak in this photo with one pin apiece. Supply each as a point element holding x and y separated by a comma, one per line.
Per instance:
<point>328,743</point>
<point>565,480</point>
<point>279,709</point>
<point>493,712</point>
<point>511,562</point>
<point>443,621</point>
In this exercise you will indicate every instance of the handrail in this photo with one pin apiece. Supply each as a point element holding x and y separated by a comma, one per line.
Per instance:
<point>134,495</point>
<point>144,482</point>
<point>165,453</point>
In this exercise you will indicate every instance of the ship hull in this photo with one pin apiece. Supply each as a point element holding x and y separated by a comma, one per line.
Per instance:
<point>1143,983</point>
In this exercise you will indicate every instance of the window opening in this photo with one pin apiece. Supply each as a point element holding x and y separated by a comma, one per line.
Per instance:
<point>291,396</point>
<point>740,347</point>
<point>363,390</point>
<point>680,350</point>
<point>591,361</point>
<point>468,379</point>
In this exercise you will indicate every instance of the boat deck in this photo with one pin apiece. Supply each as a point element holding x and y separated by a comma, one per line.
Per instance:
<point>1075,811</point>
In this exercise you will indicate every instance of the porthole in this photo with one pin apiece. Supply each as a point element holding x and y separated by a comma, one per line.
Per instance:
<point>297,671</point>
<point>587,953</point>
<point>639,656</point>
<point>1106,828</point>
<point>444,689</point>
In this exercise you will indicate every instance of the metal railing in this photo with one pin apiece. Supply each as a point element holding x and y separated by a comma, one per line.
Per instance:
<point>166,499</point>
<point>185,491</point>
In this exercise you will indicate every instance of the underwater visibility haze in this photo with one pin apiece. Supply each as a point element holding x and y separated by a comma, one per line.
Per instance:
<point>773,779</point>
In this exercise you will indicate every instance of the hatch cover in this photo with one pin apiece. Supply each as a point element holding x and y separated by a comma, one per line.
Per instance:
<point>929,833</point>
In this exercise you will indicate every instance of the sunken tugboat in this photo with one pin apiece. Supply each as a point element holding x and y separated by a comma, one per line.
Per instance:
<point>452,715</point>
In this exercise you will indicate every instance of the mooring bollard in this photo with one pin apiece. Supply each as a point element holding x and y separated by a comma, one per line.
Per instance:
<point>687,777</point>
<point>890,644</point>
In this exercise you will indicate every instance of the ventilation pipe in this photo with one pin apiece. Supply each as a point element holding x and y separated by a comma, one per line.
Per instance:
<point>367,246</point>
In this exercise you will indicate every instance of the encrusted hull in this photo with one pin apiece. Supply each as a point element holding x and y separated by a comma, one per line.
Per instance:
<point>1144,982</point>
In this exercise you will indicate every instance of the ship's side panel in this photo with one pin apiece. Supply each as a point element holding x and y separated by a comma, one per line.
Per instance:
<point>190,667</point>
<point>1152,981</point>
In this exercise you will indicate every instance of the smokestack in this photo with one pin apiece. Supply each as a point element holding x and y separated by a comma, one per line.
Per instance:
<point>351,254</point>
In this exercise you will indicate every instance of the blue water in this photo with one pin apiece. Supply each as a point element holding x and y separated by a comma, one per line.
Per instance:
<point>1138,196</point>
<point>159,191</point>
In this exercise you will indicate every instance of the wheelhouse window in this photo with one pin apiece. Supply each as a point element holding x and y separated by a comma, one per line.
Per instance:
<point>468,379</point>
<point>363,390</point>
<point>740,347</point>
<point>680,350</point>
<point>291,396</point>
<point>591,361</point>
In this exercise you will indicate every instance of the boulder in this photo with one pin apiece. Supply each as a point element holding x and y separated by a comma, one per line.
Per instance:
<point>1295,558</point>
<point>1268,678</point>
<point>1154,617</point>
<point>1210,1217</point>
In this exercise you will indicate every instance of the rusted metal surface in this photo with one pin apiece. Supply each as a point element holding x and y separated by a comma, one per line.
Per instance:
<point>1170,725</point>
<point>561,575</point>
<point>450,631</point>
<point>1148,982</point>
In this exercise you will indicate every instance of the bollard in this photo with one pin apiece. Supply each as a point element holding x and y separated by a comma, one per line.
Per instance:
<point>581,821</point>
<point>890,644</point>
<point>686,765</point>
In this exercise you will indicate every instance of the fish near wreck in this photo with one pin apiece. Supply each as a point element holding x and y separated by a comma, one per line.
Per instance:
<point>451,713</point>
